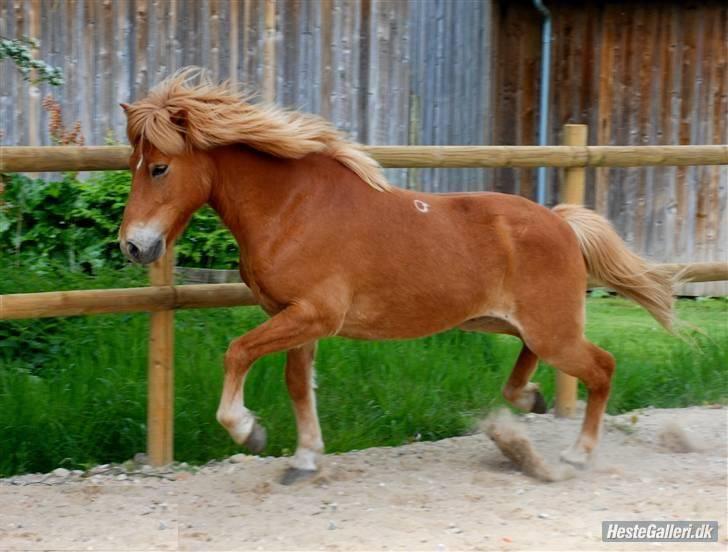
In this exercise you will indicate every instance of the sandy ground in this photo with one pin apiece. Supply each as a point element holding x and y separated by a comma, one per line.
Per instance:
<point>455,494</point>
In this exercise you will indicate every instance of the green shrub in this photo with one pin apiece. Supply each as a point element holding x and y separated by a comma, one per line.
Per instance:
<point>74,223</point>
<point>41,224</point>
<point>35,342</point>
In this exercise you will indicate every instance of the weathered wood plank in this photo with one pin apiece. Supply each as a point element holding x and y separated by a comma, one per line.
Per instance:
<point>144,299</point>
<point>160,381</point>
<point>60,158</point>
<point>606,88</point>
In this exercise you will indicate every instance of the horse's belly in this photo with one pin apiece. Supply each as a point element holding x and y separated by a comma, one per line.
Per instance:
<point>409,317</point>
<point>359,330</point>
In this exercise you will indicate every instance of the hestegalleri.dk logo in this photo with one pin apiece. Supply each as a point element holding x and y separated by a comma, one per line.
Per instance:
<point>660,531</point>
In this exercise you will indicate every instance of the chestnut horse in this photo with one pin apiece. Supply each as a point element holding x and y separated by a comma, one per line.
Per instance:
<point>329,248</point>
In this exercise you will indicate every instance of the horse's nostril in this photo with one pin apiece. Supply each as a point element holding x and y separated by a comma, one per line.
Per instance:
<point>134,251</point>
<point>156,250</point>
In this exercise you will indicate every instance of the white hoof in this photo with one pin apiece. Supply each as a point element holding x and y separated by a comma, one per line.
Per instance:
<point>530,399</point>
<point>305,459</point>
<point>576,456</point>
<point>238,424</point>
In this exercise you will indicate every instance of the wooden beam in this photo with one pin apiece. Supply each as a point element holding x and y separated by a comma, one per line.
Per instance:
<point>687,273</point>
<point>103,301</point>
<point>571,191</point>
<point>699,272</point>
<point>100,158</point>
<point>233,43</point>
<point>160,382</point>
<point>572,186</point>
<point>691,273</point>
<point>269,51</point>
<point>550,156</point>
<point>34,101</point>
<point>64,158</point>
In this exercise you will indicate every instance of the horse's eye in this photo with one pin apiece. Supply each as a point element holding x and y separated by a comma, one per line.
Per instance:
<point>159,170</point>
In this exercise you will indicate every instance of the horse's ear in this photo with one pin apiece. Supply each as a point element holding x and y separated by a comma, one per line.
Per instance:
<point>179,118</point>
<point>125,107</point>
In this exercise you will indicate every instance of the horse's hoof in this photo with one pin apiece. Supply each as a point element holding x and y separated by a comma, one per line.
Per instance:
<point>293,475</point>
<point>575,457</point>
<point>257,439</point>
<point>539,403</point>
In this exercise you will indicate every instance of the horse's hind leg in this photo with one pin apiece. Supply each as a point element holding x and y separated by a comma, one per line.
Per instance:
<point>594,367</point>
<point>518,390</point>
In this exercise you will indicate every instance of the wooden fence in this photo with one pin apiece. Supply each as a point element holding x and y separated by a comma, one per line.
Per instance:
<point>100,158</point>
<point>163,296</point>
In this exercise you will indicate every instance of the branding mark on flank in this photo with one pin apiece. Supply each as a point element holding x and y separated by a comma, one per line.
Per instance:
<point>421,206</point>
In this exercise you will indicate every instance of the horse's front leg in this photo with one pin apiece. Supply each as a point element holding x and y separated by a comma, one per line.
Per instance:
<point>301,387</point>
<point>293,327</point>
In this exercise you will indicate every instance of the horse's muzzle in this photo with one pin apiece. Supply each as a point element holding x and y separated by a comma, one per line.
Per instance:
<point>143,247</point>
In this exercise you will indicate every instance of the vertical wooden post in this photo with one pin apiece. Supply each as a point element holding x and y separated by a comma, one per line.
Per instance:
<point>233,41</point>
<point>572,187</point>
<point>570,191</point>
<point>269,52</point>
<point>160,398</point>
<point>34,101</point>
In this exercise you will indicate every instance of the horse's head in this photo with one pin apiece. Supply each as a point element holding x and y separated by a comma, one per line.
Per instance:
<point>174,131</point>
<point>167,188</point>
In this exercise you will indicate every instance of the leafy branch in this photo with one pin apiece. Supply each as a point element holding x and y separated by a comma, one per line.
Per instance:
<point>20,51</point>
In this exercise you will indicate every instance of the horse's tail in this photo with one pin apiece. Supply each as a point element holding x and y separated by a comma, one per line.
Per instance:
<point>609,261</point>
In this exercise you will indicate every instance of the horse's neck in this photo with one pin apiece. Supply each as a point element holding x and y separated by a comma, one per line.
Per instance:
<point>261,198</point>
<point>251,192</point>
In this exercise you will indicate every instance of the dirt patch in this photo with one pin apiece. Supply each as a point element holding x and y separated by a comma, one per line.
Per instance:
<point>673,437</point>
<point>511,437</point>
<point>455,494</point>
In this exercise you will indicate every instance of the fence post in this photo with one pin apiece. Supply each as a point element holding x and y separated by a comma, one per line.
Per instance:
<point>33,112</point>
<point>570,191</point>
<point>160,398</point>
<point>269,51</point>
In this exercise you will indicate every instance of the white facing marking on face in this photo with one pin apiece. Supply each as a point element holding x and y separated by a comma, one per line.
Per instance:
<point>144,235</point>
<point>141,160</point>
<point>421,206</point>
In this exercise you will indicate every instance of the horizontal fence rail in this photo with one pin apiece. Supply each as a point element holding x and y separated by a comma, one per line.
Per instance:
<point>200,296</point>
<point>143,299</point>
<point>689,273</point>
<point>102,158</point>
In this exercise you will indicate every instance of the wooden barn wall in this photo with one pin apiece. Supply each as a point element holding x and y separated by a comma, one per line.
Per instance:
<point>386,71</point>
<point>638,73</point>
<point>426,72</point>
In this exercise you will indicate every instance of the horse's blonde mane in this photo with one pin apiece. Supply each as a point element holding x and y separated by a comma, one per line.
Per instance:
<point>178,114</point>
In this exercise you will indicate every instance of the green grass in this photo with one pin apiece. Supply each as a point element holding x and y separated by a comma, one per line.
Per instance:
<point>73,391</point>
